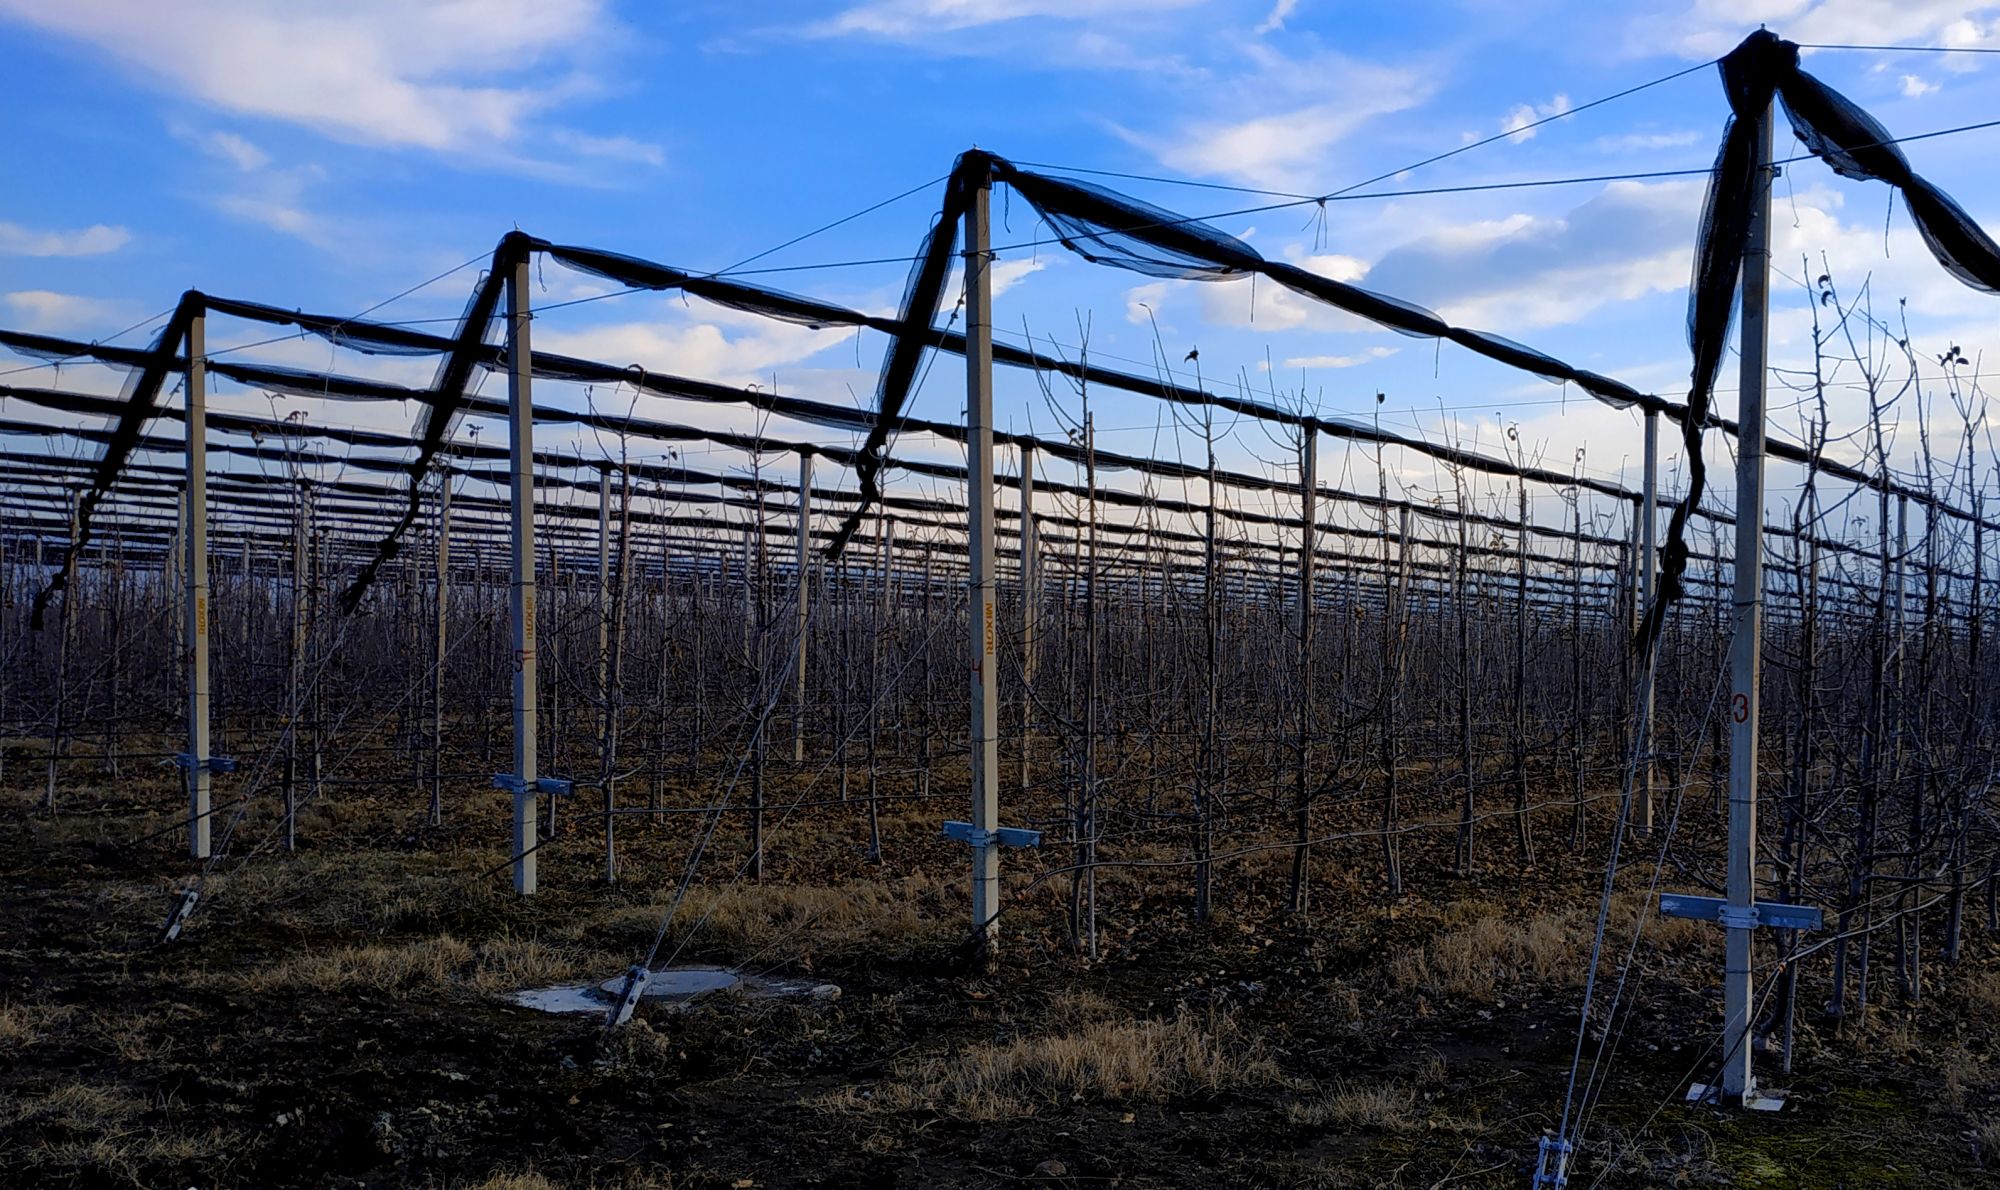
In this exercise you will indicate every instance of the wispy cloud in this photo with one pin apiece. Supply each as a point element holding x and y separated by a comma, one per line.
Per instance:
<point>622,150</point>
<point>45,310</point>
<point>436,76</point>
<point>910,18</point>
<point>1523,271</point>
<point>95,240</point>
<point>1315,362</point>
<point>1286,114</point>
<point>1643,142</point>
<point>1280,10</point>
<point>1522,121</point>
<point>1703,28</point>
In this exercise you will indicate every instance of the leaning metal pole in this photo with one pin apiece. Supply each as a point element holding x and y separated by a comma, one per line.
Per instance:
<point>1739,916</point>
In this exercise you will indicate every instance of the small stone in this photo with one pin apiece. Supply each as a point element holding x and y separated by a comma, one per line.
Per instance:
<point>1052,1168</point>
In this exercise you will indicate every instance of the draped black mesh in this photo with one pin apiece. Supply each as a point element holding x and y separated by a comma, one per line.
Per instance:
<point>434,428</point>
<point>634,273</point>
<point>136,407</point>
<point>923,291</point>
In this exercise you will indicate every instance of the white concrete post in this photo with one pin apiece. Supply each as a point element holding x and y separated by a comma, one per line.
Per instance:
<point>1745,649</point>
<point>979,524</point>
<point>521,460</point>
<point>1031,605</point>
<point>195,579</point>
<point>1649,509</point>
<point>804,580</point>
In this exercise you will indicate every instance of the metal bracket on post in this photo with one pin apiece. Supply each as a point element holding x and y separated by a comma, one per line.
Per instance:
<point>553,786</point>
<point>183,909</point>
<point>1775,914</point>
<point>1006,836</point>
<point>628,996</point>
<point>214,764</point>
<point>1552,1163</point>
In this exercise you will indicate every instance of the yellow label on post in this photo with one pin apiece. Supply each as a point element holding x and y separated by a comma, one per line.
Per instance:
<point>201,614</point>
<point>989,628</point>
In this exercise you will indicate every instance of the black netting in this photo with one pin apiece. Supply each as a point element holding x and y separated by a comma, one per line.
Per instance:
<point>372,338</point>
<point>634,273</point>
<point>1852,142</point>
<point>915,323</point>
<point>1855,145</point>
<point>448,393</point>
<point>1109,228</point>
<point>136,408</point>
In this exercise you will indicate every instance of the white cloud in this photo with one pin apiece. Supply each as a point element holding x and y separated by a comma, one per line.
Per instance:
<point>95,240</point>
<point>1143,302</point>
<point>1339,361</point>
<point>372,71</point>
<point>1283,117</point>
<point>239,152</point>
<point>1281,10</point>
<point>277,199</point>
<point>726,346</point>
<point>622,150</point>
<point>1520,122</point>
<point>906,18</point>
<point>1916,88</point>
<point>1630,240</point>
<point>43,310</point>
<point>1705,28</point>
<point>1639,142</point>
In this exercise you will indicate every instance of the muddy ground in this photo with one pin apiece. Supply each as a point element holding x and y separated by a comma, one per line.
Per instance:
<point>336,1016</point>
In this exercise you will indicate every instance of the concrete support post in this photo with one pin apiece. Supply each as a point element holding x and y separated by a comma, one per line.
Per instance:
<point>438,645</point>
<point>195,589</point>
<point>521,500</point>
<point>1745,649</point>
<point>1031,605</point>
<point>804,580</point>
<point>1648,567</point>
<point>979,523</point>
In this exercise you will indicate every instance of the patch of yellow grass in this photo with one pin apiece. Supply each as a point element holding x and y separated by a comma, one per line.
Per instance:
<point>746,919</point>
<point>1099,1058</point>
<point>1385,1107</point>
<point>27,1024</point>
<point>1473,961</point>
<point>434,964</point>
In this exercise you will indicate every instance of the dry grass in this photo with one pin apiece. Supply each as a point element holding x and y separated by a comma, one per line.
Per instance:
<point>438,963</point>
<point>531,1180</point>
<point>1473,961</point>
<point>1981,992</point>
<point>23,1025</point>
<point>886,917</point>
<point>1094,1057</point>
<point>1384,1107</point>
<point>94,1134</point>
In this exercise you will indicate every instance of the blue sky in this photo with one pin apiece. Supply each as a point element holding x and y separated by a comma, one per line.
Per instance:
<point>330,161</point>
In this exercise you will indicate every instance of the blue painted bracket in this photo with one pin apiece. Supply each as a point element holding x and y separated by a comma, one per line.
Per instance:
<point>1006,836</point>
<point>214,764</point>
<point>553,786</point>
<point>1775,914</point>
